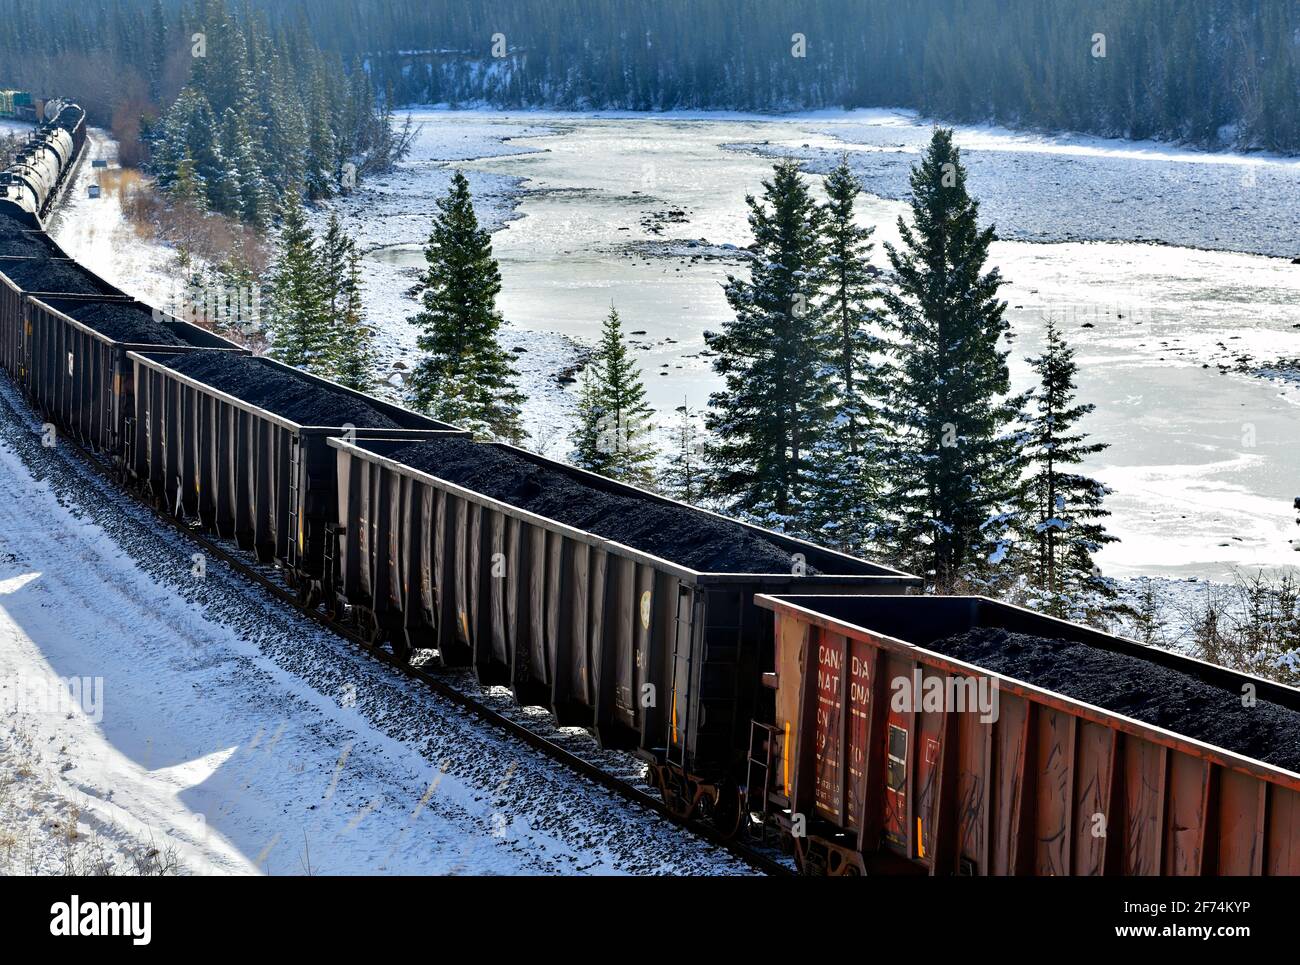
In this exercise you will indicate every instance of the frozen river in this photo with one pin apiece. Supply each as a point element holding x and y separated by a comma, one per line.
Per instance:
<point>635,211</point>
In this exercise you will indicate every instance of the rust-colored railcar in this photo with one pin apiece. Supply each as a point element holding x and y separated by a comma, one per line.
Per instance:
<point>1048,786</point>
<point>646,652</point>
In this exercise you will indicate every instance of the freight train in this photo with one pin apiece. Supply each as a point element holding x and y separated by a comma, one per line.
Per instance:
<point>30,186</point>
<point>771,685</point>
<point>18,104</point>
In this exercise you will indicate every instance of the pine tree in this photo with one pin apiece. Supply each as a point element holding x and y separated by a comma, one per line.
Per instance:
<point>589,451</point>
<point>322,152</point>
<point>681,477</point>
<point>464,376</point>
<point>614,419</point>
<point>843,483</point>
<point>777,388</point>
<point>1067,506</point>
<point>955,460</point>
<point>256,201</point>
<point>336,249</point>
<point>300,331</point>
<point>355,366</point>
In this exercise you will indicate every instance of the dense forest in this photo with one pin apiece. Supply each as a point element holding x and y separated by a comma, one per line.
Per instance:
<point>1211,72</point>
<point>1206,71</point>
<point>214,96</point>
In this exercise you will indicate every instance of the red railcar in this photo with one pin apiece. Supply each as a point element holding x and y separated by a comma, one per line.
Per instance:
<point>1047,785</point>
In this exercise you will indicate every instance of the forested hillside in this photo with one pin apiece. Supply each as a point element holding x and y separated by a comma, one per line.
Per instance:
<point>216,96</point>
<point>1207,71</point>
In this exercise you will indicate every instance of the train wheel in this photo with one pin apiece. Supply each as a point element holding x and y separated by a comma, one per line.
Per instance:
<point>401,648</point>
<point>335,607</point>
<point>724,809</point>
<point>308,594</point>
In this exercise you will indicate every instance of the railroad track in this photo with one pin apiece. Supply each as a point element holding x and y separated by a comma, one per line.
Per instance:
<point>761,859</point>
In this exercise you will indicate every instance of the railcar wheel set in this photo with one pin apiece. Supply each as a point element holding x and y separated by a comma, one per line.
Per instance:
<point>774,688</point>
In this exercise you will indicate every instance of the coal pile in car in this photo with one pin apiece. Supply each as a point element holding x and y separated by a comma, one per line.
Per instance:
<point>675,533</point>
<point>1137,688</point>
<point>293,397</point>
<point>121,321</point>
<point>63,277</point>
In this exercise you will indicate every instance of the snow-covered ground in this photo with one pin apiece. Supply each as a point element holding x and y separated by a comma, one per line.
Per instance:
<point>217,726</point>
<point>95,232</point>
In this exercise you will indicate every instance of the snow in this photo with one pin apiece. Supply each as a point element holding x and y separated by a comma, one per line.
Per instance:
<point>390,216</point>
<point>238,736</point>
<point>96,233</point>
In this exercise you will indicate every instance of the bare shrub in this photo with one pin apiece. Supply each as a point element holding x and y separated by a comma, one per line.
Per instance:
<point>1251,624</point>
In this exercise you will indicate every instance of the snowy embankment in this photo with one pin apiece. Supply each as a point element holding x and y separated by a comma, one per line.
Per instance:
<point>226,733</point>
<point>1073,187</point>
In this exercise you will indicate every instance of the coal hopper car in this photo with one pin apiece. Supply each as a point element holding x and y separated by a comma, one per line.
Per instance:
<point>236,444</point>
<point>963,736</point>
<point>620,610</point>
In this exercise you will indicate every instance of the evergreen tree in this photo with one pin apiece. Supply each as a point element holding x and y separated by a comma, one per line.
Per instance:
<point>355,365</point>
<point>464,376</point>
<point>256,201</point>
<point>955,460</point>
<point>322,152</point>
<point>614,425</point>
<point>301,334</point>
<point>1067,506</point>
<point>589,452</point>
<point>336,250</point>
<point>844,484</point>
<point>772,357</point>
<point>682,476</point>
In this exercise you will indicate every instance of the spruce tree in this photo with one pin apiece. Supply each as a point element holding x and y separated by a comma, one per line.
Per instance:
<point>1067,506</point>
<point>355,364</point>
<point>776,391</point>
<point>955,460</point>
<point>588,450</point>
<point>843,484</point>
<point>464,376</point>
<point>300,329</point>
<point>614,426</point>
<point>681,476</point>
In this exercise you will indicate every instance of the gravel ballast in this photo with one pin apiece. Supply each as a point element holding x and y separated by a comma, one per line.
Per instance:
<point>259,383</point>
<point>674,533</point>
<point>121,321</point>
<point>64,277</point>
<point>1137,688</point>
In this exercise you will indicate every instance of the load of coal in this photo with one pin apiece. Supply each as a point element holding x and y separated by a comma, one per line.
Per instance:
<point>128,322</point>
<point>676,533</point>
<point>290,396</point>
<point>10,226</point>
<point>63,277</point>
<point>1137,688</point>
<point>18,245</point>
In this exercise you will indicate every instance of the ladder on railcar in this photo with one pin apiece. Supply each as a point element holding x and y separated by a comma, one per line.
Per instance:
<point>295,458</point>
<point>760,760</point>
